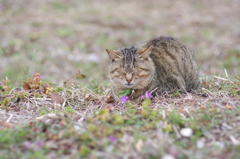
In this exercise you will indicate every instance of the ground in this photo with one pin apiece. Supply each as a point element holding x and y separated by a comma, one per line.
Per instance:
<point>62,40</point>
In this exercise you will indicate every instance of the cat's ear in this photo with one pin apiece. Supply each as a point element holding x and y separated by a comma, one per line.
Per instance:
<point>113,54</point>
<point>145,52</point>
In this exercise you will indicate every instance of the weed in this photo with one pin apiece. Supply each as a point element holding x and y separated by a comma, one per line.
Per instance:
<point>83,125</point>
<point>64,33</point>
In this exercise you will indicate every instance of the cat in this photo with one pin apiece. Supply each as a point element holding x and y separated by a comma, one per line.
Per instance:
<point>162,64</point>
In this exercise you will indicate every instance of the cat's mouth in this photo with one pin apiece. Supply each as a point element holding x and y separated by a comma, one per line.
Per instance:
<point>129,85</point>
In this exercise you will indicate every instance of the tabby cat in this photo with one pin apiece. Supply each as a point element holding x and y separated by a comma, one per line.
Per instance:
<point>162,64</point>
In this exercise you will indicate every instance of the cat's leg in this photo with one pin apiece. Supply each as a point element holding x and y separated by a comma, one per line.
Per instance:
<point>180,83</point>
<point>114,94</point>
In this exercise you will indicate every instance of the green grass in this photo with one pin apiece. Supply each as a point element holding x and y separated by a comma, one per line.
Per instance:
<point>64,33</point>
<point>105,129</point>
<point>148,131</point>
<point>59,31</point>
<point>55,38</point>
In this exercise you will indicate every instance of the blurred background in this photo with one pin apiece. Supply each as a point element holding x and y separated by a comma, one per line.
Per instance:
<point>57,37</point>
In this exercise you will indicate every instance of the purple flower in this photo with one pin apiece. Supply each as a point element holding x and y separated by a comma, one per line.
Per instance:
<point>27,145</point>
<point>162,124</point>
<point>40,143</point>
<point>82,119</point>
<point>113,139</point>
<point>2,83</point>
<point>124,99</point>
<point>42,77</point>
<point>148,95</point>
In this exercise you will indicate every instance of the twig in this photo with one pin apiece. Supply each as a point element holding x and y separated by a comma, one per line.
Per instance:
<point>16,88</point>
<point>154,90</point>
<point>8,120</point>
<point>224,79</point>
<point>176,131</point>
<point>65,82</point>
<point>226,73</point>
<point>234,140</point>
<point>79,73</point>
<point>64,103</point>
<point>188,113</point>
<point>208,92</point>
<point>163,114</point>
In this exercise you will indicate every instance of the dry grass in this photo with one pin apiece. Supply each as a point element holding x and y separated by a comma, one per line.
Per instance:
<point>213,93</point>
<point>212,113</point>
<point>57,39</point>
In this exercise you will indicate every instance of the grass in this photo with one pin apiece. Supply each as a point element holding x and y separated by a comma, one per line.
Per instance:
<point>45,118</point>
<point>63,34</point>
<point>84,125</point>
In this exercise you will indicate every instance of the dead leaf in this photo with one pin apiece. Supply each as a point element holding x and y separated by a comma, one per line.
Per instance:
<point>139,145</point>
<point>26,85</point>
<point>228,107</point>
<point>89,97</point>
<point>184,112</point>
<point>52,145</point>
<point>110,99</point>
<point>56,98</point>
<point>33,82</point>
<point>46,88</point>
<point>7,125</point>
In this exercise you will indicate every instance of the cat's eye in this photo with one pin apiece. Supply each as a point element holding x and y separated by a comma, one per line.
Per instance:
<point>143,69</point>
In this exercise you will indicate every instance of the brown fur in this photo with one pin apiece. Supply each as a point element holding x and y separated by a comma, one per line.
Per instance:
<point>162,63</point>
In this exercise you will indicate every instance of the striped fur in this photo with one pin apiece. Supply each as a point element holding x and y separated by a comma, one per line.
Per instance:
<point>163,63</point>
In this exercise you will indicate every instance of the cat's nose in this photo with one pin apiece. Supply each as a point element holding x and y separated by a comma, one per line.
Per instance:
<point>128,80</point>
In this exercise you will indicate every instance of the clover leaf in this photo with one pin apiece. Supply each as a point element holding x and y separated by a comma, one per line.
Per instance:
<point>125,92</point>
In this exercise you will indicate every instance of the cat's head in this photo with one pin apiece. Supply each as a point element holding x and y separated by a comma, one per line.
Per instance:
<point>131,67</point>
